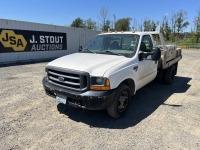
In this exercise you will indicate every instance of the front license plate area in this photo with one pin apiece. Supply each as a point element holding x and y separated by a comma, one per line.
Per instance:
<point>61,99</point>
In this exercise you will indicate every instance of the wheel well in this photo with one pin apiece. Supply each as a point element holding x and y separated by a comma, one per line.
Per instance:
<point>131,84</point>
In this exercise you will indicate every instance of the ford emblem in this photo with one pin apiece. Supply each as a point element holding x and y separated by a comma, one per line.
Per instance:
<point>62,79</point>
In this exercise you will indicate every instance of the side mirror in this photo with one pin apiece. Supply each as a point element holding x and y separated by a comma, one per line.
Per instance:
<point>80,48</point>
<point>142,55</point>
<point>156,54</point>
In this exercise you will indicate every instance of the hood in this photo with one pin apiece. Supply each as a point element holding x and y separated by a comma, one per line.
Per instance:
<point>94,64</point>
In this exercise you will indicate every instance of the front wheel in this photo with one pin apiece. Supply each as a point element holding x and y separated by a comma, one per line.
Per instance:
<point>120,102</point>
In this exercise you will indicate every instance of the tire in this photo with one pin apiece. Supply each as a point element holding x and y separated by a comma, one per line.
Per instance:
<point>120,103</point>
<point>169,75</point>
<point>176,68</point>
<point>160,76</point>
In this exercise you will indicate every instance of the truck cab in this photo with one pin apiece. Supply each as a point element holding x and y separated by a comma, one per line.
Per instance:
<point>107,72</point>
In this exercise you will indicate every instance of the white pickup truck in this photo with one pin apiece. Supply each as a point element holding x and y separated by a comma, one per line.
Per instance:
<point>110,69</point>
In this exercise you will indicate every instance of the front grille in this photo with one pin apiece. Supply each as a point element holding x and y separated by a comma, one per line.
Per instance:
<point>68,79</point>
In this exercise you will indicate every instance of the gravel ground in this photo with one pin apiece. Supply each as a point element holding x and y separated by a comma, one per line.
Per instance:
<point>161,116</point>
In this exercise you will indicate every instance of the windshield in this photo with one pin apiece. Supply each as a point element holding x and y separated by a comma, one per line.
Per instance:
<point>114,44</point>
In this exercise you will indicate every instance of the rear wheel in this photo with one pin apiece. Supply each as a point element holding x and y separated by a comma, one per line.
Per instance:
<point>160,76</point>
<point>169,75</point>
<point>120,102</point>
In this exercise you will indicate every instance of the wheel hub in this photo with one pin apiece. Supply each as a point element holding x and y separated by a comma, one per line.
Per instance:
<point>123,101</point>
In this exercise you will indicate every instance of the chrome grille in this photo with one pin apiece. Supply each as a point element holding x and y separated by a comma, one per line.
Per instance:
<point>77,81</point>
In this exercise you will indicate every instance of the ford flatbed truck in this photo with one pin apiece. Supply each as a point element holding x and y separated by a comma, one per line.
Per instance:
<point>110,69</point>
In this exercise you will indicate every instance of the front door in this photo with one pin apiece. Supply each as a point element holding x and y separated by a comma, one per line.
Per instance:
<point>147,68</point>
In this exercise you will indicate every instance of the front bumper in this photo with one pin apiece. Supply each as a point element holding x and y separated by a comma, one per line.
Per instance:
<point>91,100</point>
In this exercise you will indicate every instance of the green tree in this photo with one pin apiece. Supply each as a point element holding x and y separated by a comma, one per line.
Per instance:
<point>90,24</point>
<point>166,30</point>
<point>78,22</point>
<point>193,37</point>
<point>153,26</point>
<point>123,24</point>
<point>149,25</point>
<point>173,26</point>
<point>181,22</point>
<point>103,15</point>
<point>106,26</point>
<point>197,26</point>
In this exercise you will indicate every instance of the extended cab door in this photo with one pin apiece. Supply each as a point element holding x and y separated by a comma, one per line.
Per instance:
<point>147,68</point>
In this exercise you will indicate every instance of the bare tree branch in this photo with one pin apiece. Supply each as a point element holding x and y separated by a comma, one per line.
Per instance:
<point>103,16</point>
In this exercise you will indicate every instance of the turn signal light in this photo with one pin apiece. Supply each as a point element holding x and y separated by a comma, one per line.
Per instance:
<point>105,87</point>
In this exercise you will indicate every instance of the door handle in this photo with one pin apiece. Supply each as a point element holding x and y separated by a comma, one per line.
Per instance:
<point>135,68</point>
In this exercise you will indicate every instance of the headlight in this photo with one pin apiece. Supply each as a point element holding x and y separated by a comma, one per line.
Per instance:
<point>99,84</point>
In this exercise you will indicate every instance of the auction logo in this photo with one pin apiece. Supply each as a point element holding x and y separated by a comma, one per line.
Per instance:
<point>11,40</point>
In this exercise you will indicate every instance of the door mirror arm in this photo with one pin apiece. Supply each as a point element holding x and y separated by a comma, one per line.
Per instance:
<point>144,55</point>
<point>80,48</point>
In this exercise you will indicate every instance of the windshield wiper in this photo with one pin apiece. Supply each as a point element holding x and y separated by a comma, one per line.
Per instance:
<point>88,51</point>
<point>107,51</point>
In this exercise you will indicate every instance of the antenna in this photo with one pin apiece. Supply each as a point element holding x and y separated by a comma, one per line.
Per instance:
<point>114,20</point>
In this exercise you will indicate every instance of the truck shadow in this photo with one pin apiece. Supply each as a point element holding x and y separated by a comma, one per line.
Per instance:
<point>143,104</point>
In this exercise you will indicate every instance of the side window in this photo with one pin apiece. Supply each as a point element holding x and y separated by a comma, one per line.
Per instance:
<point>146,44</point>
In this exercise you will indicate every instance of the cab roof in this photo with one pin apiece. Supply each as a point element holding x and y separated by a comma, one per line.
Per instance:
<point>129,32</point>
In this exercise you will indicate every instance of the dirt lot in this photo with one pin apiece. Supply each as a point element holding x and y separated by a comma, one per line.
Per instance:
<point>162,116</point>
